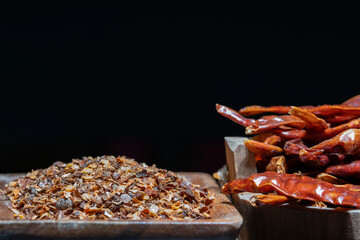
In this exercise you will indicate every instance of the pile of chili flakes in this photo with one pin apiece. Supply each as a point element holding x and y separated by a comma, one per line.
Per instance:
<point>105,188</point>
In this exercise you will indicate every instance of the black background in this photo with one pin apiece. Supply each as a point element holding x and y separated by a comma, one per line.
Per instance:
<point>143,80</point>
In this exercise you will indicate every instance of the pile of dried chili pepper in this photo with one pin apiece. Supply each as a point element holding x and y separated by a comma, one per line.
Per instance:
<point>105,188</point>
<point>306,153</point>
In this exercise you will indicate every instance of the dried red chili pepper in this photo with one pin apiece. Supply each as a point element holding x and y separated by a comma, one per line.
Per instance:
<point>262,149</point>
<point>261,162</point>
<point>233,115</point>
<point>271,199</point>
<point>352,187</point>
<point>256,109</point>
<point>351,108</point>
<point>277,164</point>
<point>336,120</point>
<point>332,132</point>
<point>351,170</point>
<point>262,136</point>
<point>316,136</point>
<point>273,140</point>
<point>299,187</point>
<point>314,123</point>
<point>289,133</point>
<point>262,124</point>
<point>330,178</point>
<point>353,102</point>
<point>314,160</point>
<point>347,142</point>
<point>331,110</point>
<point>293,147</point>
<point>312,157</point>
<point>266,123</point>
<point>323,110</point>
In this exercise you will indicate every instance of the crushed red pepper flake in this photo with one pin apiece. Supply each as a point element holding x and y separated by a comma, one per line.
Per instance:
<point>106,188</point>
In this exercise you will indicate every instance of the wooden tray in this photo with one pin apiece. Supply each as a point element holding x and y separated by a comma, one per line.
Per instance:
<point>287,221</point>
<point>224,224</point>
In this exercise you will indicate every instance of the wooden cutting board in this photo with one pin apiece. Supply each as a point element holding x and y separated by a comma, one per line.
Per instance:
<point>287,221</point>
<point>225,222</point>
